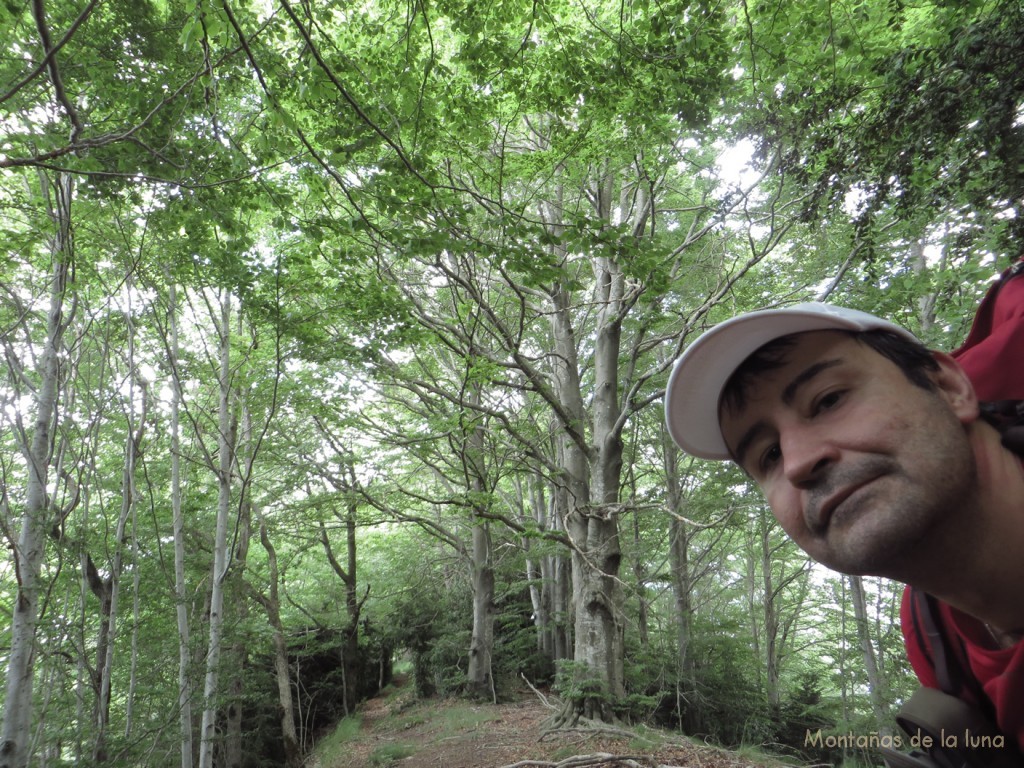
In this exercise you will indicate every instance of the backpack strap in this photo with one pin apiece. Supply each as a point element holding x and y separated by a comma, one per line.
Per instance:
<point>1008,417</point>
<point>947,655</point>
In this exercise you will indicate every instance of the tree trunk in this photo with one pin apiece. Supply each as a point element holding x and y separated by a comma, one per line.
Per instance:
<point>37,518</point>
<point>480,681</point>
<point>282,672</point>
<point>592,473</point>
<point>540,611</point>
<point>641,576</point>
<point>180,586</point>
<point>876,683</point>
<point>211,689</point>
<point>770,623</point>
<point>111,594</point>
<point>552,606</point>
<point>479,677</point>
<point>235,585</point>
<point>352,667</point>
<point>682,584</point>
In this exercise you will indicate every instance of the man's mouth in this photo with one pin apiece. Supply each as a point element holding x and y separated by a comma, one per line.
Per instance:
<point>822,512</point>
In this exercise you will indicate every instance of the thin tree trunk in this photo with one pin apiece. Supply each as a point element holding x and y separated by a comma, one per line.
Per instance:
<point>236,588</point>
<point>272,604</point>
<point>682,584</point>
<point>538,570</point>
<point>180,586</point>
<point>771,622</point>
<point>352,669</point>
<point>136,428</point>
<point>133,675</point>
<point>876,683</point>
<point>211,688</point>
<point>641,576</point>
<point>560,567</point>
<point>37,518</point>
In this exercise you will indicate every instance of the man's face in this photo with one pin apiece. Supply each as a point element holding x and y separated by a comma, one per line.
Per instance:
<point>857,463</point>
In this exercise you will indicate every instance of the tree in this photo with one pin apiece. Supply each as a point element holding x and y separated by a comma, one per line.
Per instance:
<point>39,515</point>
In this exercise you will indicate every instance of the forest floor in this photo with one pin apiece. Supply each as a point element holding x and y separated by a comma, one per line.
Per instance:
<point>397,730</point>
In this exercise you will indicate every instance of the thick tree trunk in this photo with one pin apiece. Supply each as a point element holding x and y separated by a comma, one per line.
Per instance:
<point>37,518</point>
<point>592,471</point>
<point>479,677</point>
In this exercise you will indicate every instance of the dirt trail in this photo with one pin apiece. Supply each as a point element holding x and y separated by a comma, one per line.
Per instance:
<point>400,731</point>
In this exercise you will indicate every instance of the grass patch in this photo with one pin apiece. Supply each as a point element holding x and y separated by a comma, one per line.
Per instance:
<point>390,753</point>
<point>564,752</point>
<point>465,717</point>
<point>413,720</point>
<point>332,747</point>
<point>644,737</point>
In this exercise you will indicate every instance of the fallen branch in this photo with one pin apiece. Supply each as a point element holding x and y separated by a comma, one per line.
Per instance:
<point>599,758</point>
<point>541,696</point>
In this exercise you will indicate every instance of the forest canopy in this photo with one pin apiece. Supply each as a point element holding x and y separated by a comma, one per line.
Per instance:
<point>335,336</point>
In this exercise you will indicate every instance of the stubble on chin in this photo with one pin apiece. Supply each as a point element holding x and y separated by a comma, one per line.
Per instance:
<point>895,525</point>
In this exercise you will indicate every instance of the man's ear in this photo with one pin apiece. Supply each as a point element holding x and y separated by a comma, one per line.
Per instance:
<point>956,388</point>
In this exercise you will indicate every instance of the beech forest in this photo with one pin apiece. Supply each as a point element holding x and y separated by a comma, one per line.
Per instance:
<point>335,332</point>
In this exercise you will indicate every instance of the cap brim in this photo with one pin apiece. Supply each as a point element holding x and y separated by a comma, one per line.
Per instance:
<point>702,371</point>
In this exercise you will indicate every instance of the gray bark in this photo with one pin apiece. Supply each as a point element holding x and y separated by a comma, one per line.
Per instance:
<point>682,585</point>
<point>37,518</point>
<point>180,586</point>
<point>479,677</point>
<point>111,592</point>
<point>211,688</point>
<point>876,683</point>
<point>282,672</point>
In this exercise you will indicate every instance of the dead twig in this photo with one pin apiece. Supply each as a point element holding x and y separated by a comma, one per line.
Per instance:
<point>541,696</point>
<point>599,758</point>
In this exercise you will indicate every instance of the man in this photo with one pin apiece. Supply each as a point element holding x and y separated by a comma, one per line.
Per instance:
<point>872,455</point>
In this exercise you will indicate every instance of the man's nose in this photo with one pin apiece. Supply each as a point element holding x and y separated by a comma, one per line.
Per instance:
<point>806,456</point>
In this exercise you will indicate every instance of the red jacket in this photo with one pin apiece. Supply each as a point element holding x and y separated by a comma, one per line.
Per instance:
<point>1000,671</point>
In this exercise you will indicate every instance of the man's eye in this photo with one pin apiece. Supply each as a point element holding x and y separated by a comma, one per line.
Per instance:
<point>828,400</point>
<point>769,458</point>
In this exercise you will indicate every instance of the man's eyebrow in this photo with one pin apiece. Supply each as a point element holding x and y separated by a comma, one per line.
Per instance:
<point>808,373</point>
<point>788,395</point>
<point>748,437</point>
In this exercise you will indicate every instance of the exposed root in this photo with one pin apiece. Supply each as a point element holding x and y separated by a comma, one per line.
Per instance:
<point>566,718</point>
<point>570,719</point>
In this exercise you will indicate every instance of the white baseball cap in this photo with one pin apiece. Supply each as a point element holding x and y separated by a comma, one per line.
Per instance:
<point>702,371</point>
